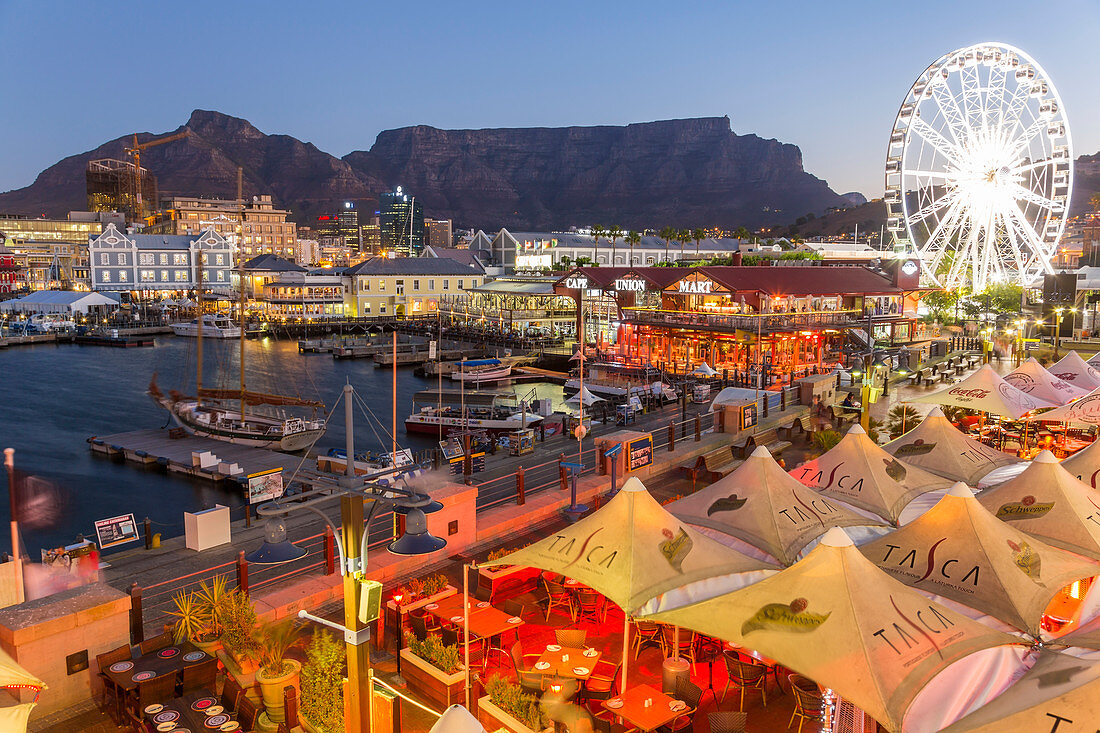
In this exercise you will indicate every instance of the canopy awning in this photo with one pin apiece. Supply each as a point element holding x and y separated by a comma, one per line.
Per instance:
<point>861,473</point>
<point>987,391</point>
<point>836,618</point>
<point>939,447</point>
<point>1083,411</point>
<point>1031,378</point>
<point>13,673</point>
<point>1085,464</point>
<point>959,550</point>
<point>588,398</point>
<point>1075,370</point>
<point>760,504</point>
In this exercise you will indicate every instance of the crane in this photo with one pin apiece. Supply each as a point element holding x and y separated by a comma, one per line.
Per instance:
<point>135,152</point>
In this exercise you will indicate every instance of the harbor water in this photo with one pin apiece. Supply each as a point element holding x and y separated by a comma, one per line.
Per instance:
<point>57,396</point>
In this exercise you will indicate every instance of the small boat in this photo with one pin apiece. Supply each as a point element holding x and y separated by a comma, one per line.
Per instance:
<point>481,370</point>
<point>618,382</point>
<point>213,327</point>
<point>440,413</point>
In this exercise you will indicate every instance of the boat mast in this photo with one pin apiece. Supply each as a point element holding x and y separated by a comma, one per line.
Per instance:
<point>240,284</point>
<point>198,334</point>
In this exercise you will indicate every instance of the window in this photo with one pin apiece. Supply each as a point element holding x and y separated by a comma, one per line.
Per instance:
<point>106,276</point>
<point>164,276</point>
<point>181,276</point>
<point>364,285</point>
<point>447,284</point>
<point>221,275</point>
<point>148,276</point>
<point>382,309</point>
<point>123,276</point>
<point>164,258</point>
<point>104,259</point>
<point>416,285</point>
<point>431,285</point>
<point>179,258</point>
<point>146,258</point>
<point>382,285</point>
<point>460,285</point>
<point>219,259</point>
<point>400,287</point>
<point>121,258</point>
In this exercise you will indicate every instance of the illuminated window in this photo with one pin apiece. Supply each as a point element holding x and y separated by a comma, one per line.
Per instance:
<point>121,258</point>
<point>164,258</point>
<point>106,277</point>
<point>164,276</point>
<point>146,258</point>
<point>179,258</point>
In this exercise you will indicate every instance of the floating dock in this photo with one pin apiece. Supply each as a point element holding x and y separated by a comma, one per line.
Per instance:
<point>543,374</point>
<point>172,451</point>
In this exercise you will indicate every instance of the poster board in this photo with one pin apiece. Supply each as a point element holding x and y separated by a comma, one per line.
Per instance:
<point>749,415</point>
<point>116,531</point>
<point>265,485</point>
<point>639,453</point>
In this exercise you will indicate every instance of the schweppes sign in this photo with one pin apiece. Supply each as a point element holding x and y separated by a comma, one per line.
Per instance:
<point>1026,508</point>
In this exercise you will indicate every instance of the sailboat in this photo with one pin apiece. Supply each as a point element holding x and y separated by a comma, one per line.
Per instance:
<point>209,413</point>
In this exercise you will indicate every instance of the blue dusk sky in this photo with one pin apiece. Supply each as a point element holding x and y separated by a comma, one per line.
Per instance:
<point>826,76</point>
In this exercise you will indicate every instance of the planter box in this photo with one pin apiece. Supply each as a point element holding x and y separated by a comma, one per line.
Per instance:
<point>433,686</point>
<point>245,678</point>
<point>509,580</point>
<point>493,718</point>
<point>404,608</point>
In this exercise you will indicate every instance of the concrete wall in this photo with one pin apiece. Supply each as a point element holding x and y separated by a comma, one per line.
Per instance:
<point>40,634</point>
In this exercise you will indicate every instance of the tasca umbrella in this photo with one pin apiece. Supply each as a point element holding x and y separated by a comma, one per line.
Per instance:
<point>959,550</point>
<point>1050,503</point>
<point>836,618</point>
<point>939,447</point>
<point>987,391</point>
<point>637,554</point>
<point>1059,694</point>
<point>861,473</point>
<point>760,504</point>
<point>704,369</point>
<point>1075,370</point>
<point>12,674</point>
<point>1033,379</point>
<point>1083,411</point>
<point>1085,464</point>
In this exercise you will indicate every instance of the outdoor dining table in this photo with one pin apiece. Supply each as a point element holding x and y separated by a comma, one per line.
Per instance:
<point>565,661</point>
<point>635,712</point>
<point>191,714</point>
<point>169,660</point>
<point>486,621</point>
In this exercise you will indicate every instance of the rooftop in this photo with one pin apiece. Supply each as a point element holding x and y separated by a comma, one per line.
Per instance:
<point>410,266</point>
<point>272,263</point>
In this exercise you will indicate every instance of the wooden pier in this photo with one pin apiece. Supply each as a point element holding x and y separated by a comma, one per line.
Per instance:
<point>160,448</point>
<point>544,374</point>
<point>419,356</point>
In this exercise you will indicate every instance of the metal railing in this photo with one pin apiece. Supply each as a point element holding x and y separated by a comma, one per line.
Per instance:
<point>743,322</point>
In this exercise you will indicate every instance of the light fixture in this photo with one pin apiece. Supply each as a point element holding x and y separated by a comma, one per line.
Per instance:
<point>431,507</point>
<point>275,550</point>
<point>416,540</point>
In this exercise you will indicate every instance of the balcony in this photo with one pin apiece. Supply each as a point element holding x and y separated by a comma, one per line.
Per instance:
<point>730,322</point>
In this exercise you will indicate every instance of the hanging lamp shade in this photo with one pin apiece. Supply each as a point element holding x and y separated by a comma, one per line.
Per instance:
<point>275,550</point>
<point>416,540</point>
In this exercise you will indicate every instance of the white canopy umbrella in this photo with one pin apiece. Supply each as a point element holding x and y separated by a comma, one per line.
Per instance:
<point>939,447</point>
<point>1031,378</point>
<point>705,369</point>
<point>1075,370</point>
<point>1085,465</point>
<point>1083,411</point>
<point>457,719</point>
<point>987,391</point>
<point>1094,360</point>
<point>588,398</point>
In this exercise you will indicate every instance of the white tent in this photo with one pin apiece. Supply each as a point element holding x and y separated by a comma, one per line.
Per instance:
<point>62,302</point>
<point>1031,378</point>
<point>1085,465</point>
<point>1075,370</point>
<point>987,391</point>
<point>457,719</point>
<point>589,398</point>
<point>939,447</point>
<point>1083,411</point>
<point>705,369</point>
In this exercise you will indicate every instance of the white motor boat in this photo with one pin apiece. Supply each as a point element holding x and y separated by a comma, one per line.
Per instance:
<point>213,327</point>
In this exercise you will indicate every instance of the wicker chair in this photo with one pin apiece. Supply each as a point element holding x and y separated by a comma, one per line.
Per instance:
<point>111,693</point>
<point>419,626</point>
<point>807,700</point>
<point>530,680</point>
<point>728,722</point>
<point>692,694</point>
<point>571,638</point>
<point>200,676</point>
<point>157,690</point>
<point>745,676</point>
<point>601,684</point>
<point>685,647</point>
<point>155,644</point>
<point>558,596</point>
<point>454,637</point>
<point>231,693</point>
<point>646,633</point>
<point>591,606</point>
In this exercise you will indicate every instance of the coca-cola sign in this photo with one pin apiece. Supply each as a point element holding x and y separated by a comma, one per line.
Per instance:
<point>975,393</point>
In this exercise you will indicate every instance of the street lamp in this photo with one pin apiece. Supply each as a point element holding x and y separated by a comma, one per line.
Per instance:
<point>351,544</point>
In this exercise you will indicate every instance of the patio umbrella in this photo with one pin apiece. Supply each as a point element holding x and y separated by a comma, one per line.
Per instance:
<point>1031,378</point>
<point>457,719</point>
<point>1050,503</point>
<point>705,369</point>
<point>1075,370</point>
<point>861,473</point>
<point>13,674</point>
<point>1083,411</point>
<point>760,504</point>
<point>588,398</point>
<point>634,552</point>
<point>14,718</point>
<point>987,391</point>
<point>1059,694</point>
<point>939,447</point>
<point>1085,464</point>
<point>960,551</point>
<point>836,618</point>
<point>1094,360</point>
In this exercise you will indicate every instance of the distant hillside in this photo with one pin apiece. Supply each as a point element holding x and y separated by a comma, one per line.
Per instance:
<point>869,216</point>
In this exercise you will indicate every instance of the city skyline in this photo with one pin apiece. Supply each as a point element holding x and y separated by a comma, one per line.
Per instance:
<point>767,68</point>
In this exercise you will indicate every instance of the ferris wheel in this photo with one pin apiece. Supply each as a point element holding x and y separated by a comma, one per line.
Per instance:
<point>979,170</point>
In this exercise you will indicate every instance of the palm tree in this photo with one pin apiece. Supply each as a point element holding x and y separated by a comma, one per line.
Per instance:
<point>597,232</point>
<point>683,236</point>
<point>632,238</point>
<point>742,233</point>
<point>614,233</point>
<point>698,235</point>
<point>667,234</point>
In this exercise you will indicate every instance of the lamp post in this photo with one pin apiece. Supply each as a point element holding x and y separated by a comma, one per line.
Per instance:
<point>351,544</point>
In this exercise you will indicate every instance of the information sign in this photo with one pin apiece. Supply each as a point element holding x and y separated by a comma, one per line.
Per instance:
<point>116,531</point>
<point>265,486</point>
<point>639,453</point>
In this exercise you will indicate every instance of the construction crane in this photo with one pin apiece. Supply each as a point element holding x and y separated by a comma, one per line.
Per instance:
<point>135,153</point>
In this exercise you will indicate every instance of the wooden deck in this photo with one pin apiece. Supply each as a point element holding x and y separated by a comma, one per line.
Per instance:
<point>157,447</point>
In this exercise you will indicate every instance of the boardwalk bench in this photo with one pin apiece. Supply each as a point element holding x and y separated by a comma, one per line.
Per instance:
<point>844,414</point>
<point>804,424</point>
<point>715,464</point>
<point>769,439</point>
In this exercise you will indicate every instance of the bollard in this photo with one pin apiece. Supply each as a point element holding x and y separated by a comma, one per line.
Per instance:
<point>782,400</point>
<point>562,477</point>
<point>148,534</point>
<point>242,573</point>
<point>521,497</point>
<point>765,409</point>
<point>330,551</point>
<point>247,515</point>
<point>671,435</point>
<point>137,623</point>
<point>698,429</point>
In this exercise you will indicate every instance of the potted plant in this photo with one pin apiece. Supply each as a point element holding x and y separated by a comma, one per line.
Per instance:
<point>432,670</point>
<point>198,615</point>
<point>322,685</point>
<point>506,706</point>
<point>239,626</point>
<point>276,672</point>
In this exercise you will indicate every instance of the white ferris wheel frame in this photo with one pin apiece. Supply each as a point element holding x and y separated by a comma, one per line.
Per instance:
<point>997,242</point>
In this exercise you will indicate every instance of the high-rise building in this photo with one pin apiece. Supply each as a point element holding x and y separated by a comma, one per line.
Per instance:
<point>437,232</point>
<point>402,220</point>
<point>255,225</point>
<point>119,185</point>
<point>372,236</point>
<point>347,225</point>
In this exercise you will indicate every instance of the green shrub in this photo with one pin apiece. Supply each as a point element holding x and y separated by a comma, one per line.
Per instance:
<point>322,683</point>
<point>511,698</point>
<point>826,440</point>
<point>238,619</point>
<point>432,651</point>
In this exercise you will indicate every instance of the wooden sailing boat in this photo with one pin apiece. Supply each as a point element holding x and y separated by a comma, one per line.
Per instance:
<point>209,414</point>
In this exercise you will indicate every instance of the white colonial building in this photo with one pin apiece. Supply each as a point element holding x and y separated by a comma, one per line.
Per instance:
<point>159,263</point>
